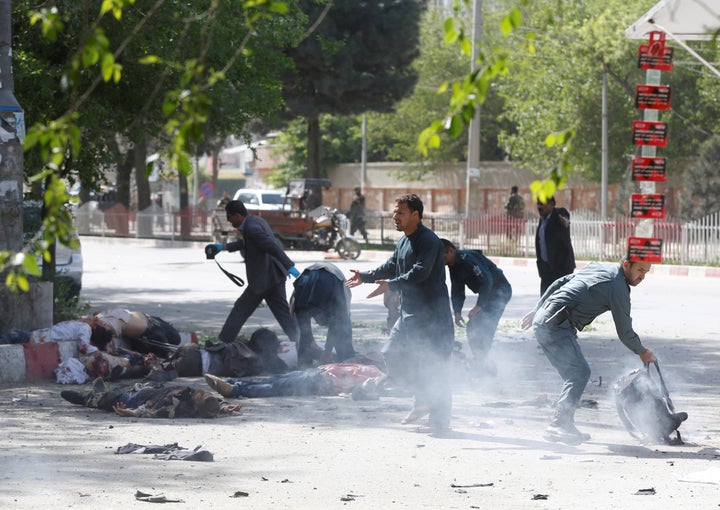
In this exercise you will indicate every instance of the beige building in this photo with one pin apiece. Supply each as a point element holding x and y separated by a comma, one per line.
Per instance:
<point>444,191</point>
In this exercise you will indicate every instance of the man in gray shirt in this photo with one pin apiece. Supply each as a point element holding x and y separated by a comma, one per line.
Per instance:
<point>568,305</point>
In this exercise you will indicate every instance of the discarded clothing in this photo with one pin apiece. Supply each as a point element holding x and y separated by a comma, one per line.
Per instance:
<point>168,452</point>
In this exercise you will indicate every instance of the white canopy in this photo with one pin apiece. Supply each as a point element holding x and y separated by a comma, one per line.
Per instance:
<point>681,19</point>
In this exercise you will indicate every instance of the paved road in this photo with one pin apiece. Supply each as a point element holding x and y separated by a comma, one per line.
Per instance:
<point>177,283</point>
<point>333,452</point>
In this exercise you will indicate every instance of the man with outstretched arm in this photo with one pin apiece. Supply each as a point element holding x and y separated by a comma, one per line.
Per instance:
<point>568,305</point>
<point>421,341</point>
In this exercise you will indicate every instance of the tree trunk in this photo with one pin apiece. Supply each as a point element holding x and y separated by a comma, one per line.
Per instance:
<point>141,177</point>
<point>185,210</point>
<point>215,159</point>
<point>314,153</point>
<point>122,181</point>
<point>144,222</point>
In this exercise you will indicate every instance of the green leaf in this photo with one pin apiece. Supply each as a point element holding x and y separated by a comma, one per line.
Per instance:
<point>107,66</point>
<point>31,266</point>
<point>22,282</point>
<point>456,126</point>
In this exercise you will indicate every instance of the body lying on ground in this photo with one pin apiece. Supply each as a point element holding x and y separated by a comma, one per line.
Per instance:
<point>151,400</point>
<point>330,379</point>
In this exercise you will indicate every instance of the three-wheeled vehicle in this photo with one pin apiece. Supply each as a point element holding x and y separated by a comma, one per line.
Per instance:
<point>304,223</point>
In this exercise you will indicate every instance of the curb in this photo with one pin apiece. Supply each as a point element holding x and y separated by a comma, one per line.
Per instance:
<point>29,362</point>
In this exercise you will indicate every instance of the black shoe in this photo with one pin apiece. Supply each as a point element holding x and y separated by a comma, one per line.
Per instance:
<point>74,397</point>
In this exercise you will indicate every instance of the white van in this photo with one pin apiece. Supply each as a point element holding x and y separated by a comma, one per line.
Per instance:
<point>260,199</point>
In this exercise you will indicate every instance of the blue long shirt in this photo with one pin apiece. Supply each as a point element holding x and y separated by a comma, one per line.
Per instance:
<point>417,270</point>
<point>593,290</point>
<point>478,272</point>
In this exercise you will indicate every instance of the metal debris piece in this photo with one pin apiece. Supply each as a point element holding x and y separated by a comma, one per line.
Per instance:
<point>539,496</point>
<point>646,492</point>
<point>159,498</point>
<point>456,486</point>
<point>240,494</point>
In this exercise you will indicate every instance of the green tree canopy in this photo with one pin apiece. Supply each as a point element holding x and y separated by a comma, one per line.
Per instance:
<point>355,58</point>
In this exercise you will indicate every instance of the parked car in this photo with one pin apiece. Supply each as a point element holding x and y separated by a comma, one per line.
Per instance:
<point>69,267</point>
<point>68,261</point>
<point>260,199</point>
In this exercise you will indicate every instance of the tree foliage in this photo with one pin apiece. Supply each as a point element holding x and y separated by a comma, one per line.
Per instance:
<point>702,181</point>
<point>355,58</point>
<point>94,74</point>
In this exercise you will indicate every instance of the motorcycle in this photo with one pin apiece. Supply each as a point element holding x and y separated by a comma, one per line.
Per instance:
<point>301,224</point>
<point>329,231</point>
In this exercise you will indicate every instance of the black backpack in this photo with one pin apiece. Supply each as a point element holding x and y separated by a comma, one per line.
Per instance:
<point>645,408</point>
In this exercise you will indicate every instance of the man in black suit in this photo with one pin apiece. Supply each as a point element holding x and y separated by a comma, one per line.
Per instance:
<point>555,255</point>
<point>266,267</point>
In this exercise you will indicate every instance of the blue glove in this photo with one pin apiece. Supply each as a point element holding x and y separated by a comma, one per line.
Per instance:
<point>213,249</point>
<point>294,272</point>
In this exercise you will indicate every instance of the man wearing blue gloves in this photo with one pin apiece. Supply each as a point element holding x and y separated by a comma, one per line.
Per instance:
<point>266,267</point>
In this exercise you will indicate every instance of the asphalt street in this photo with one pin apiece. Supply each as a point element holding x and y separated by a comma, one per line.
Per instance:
<point>176,282</point>
<point>334,452</point>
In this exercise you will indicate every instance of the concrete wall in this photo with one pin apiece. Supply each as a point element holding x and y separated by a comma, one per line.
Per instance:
<point>445,189</point>
<point>26,310</point>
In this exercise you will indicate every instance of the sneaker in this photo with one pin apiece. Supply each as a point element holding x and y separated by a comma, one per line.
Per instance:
<point>224,388</point>
<point>74,397</point>
<point>565,434</point>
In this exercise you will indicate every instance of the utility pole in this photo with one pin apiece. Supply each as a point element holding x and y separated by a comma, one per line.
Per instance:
<point>32,309</point>
<point>473,159</point>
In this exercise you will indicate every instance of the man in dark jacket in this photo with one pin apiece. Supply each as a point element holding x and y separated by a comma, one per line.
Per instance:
<point>473,269</point>
<point>321,293</point>
<point>266,267</point>
<point>555,255</point>
<point>422,339</point>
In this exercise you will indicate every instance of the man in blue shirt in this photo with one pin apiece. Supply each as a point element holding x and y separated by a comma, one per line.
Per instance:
<point>567,306</point>
<point>422,339</point>
<point>473,269</point>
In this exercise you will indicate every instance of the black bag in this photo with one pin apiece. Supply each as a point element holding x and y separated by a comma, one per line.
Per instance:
<point>645,408</point>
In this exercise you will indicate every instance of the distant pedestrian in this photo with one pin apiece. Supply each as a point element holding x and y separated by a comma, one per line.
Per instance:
<point>553,248</point>
<point>515,213</point>
<point>357,214</point>
<point>515,206</point>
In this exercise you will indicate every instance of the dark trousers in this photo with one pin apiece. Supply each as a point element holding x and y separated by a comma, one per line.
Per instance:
<point>248,302</point>
<point>547,275</point>
<point>298,383</point>
<point>482,327</point>
<point>419,355</point>
<point>358,223</point>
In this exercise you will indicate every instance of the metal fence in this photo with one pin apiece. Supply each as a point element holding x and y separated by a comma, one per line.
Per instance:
<point>688,243</point>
